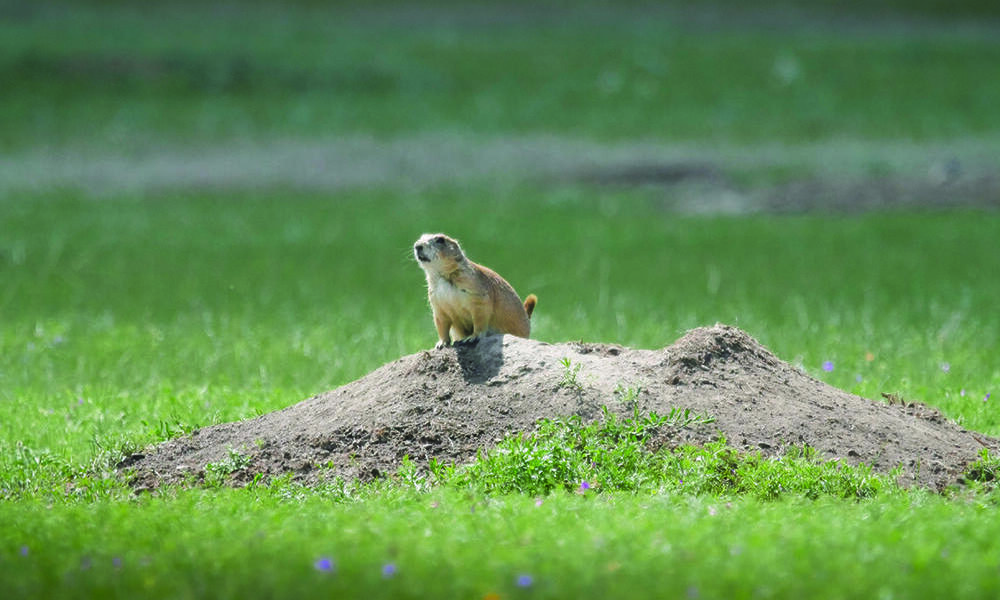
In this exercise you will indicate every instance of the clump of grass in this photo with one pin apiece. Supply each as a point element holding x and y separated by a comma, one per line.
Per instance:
<point>167,429</point>
<point>719,469</point>
<point>566,453</point>
<point>613,454</point>
<point>985,472</point>
<point>27,469</point>
<point>27,472</point>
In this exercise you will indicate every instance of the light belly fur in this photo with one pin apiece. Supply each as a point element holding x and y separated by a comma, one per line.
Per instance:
<point>452,302</point>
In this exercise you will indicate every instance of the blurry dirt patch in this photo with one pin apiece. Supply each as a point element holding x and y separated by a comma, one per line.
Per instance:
<point>703,188</point>
<point>834,176</point>
<point>667,173</point>
<point>897,193</point>
<point>447,404</point>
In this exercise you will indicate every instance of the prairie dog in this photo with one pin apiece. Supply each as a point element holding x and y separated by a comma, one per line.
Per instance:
<point>468,300</point>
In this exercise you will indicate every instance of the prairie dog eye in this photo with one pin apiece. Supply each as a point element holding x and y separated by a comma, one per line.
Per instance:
<point>439,240</point>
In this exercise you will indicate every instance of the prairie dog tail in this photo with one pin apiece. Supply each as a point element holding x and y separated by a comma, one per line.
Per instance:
<point>529,304</point>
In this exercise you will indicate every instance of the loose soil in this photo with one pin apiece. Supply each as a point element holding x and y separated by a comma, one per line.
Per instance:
<point>447,404</point>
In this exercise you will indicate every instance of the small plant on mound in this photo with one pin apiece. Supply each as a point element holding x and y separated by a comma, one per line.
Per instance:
<point>612,455</point>
<point>571,374</point>
<point>216,473</point>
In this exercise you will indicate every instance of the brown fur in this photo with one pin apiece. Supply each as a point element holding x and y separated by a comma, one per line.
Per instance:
<point>468,300</point>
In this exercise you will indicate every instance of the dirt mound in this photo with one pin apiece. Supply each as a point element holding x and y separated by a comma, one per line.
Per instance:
<point>449,403</point>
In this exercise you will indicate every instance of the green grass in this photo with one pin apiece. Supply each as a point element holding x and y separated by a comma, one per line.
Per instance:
<point>614,455</point>
<point>128,320</point>
<point>85,78</point>
<point>447,544</point>
<point>130,314</point>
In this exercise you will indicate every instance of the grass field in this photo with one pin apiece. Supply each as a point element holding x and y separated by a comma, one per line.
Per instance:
<point>136,306</point>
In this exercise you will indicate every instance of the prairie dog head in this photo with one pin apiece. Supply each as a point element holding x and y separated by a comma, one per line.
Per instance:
<point>438,252</point>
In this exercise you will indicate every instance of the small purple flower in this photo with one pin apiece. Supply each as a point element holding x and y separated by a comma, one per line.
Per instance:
<point>987,397</point>
<point>116,562</point>
<point>389,570</point>
<point>962,393</point>
<point>858,378</point>
<point>24,550</point>
<point>525,580</point>
<point>584,486</point>
<point>828,365</point>
<point>325,564</point>
<point>538,501</point>
<point>945,367</point>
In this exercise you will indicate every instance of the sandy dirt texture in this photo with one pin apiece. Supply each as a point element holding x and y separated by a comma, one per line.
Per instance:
<point>449,403</point>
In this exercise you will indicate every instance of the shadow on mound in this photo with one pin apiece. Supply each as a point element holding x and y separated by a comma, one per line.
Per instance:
<point>449,403</point>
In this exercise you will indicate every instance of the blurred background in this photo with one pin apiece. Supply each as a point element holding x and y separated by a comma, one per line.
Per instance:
<point>715,106</point>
